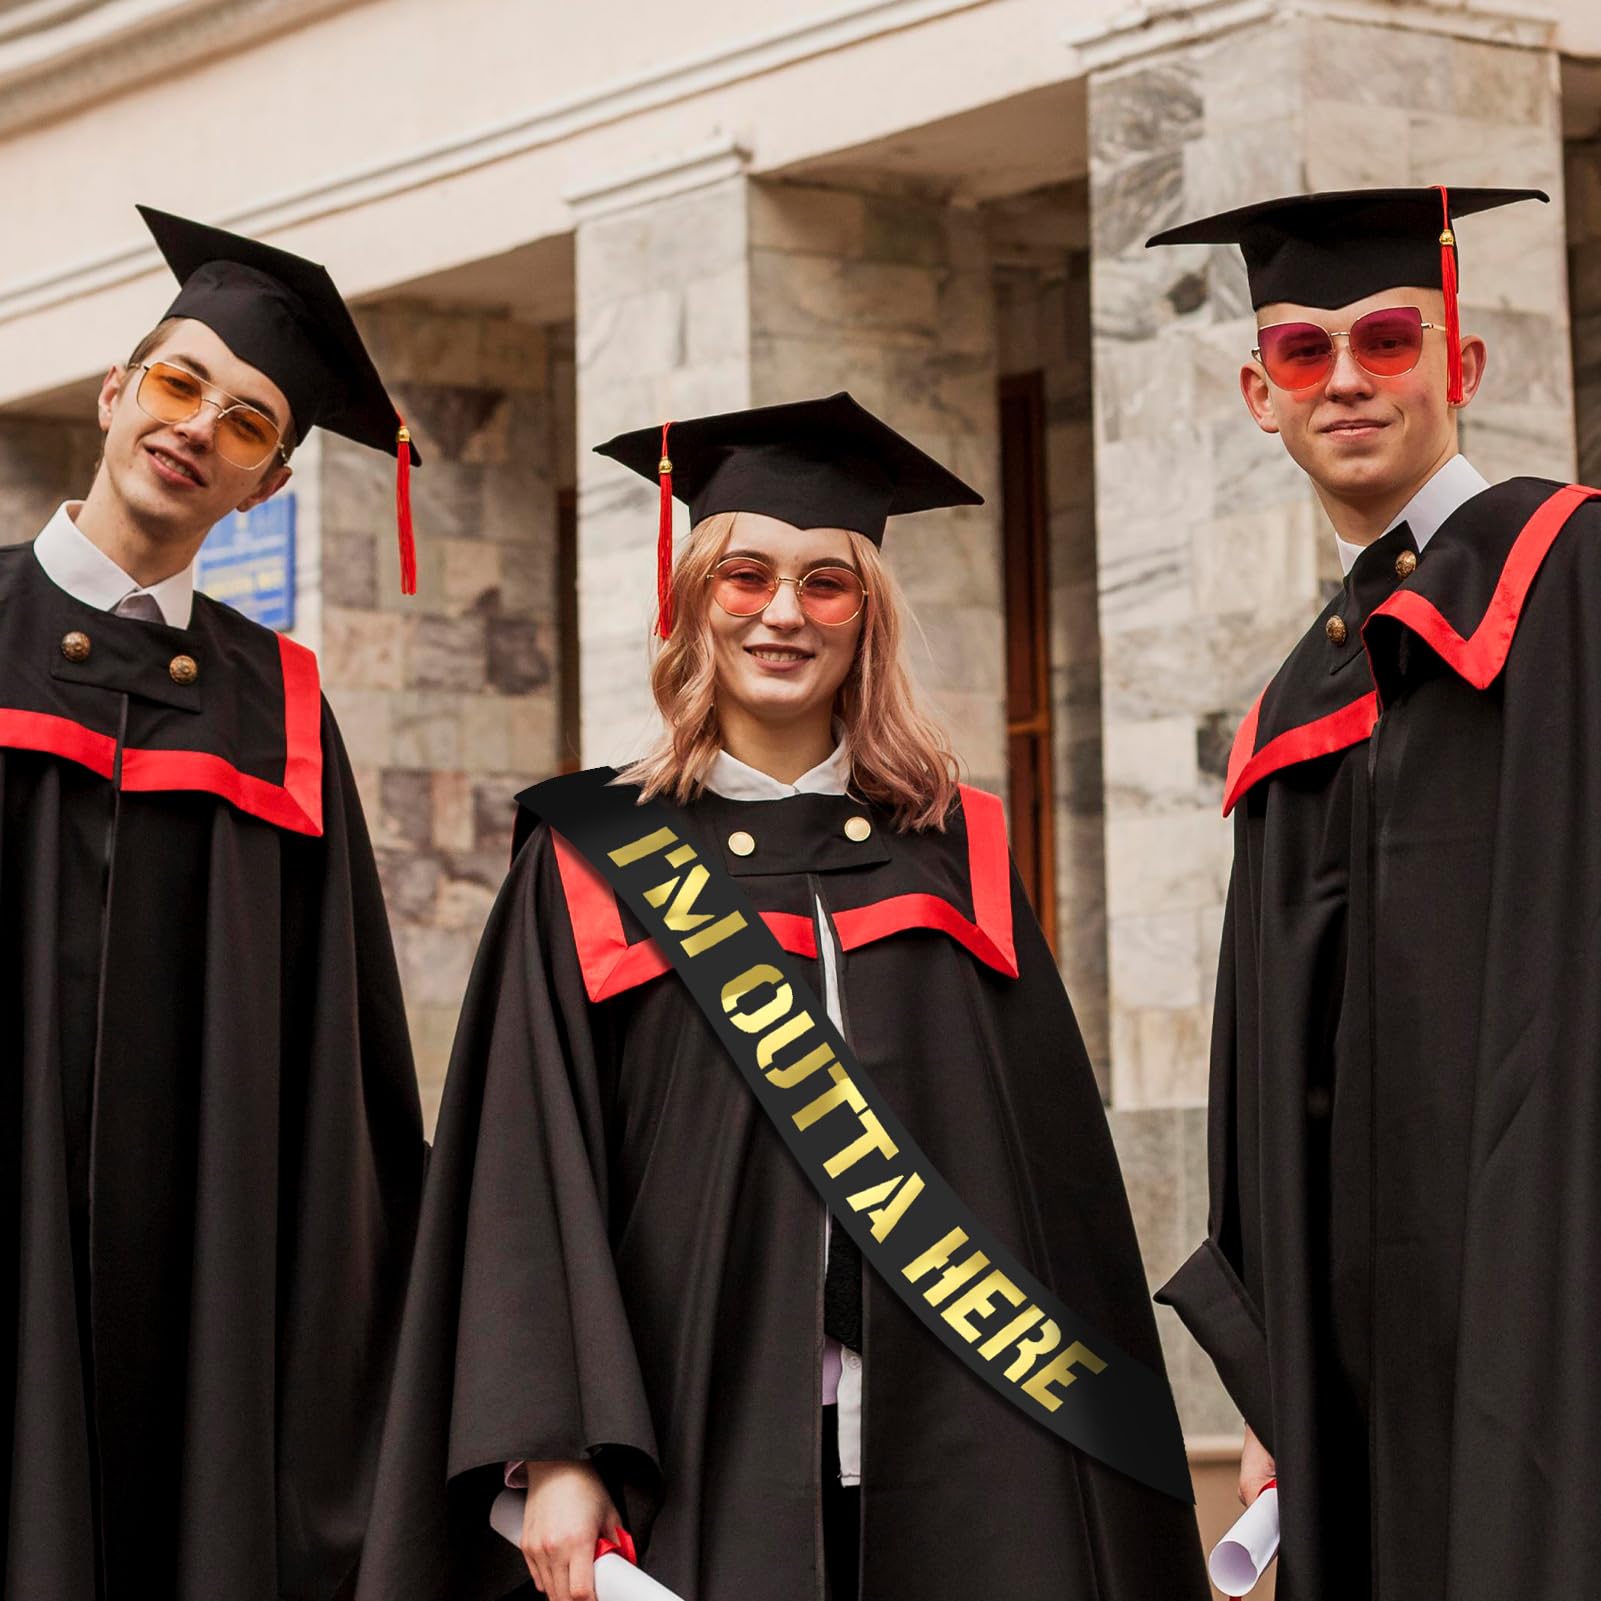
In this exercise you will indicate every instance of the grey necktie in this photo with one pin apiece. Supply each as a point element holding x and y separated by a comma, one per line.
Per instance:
<point>141,606</point>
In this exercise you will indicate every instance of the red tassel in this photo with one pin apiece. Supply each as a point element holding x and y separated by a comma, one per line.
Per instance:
<point>408,542</point>
<point>664,543</point>
<point>1453,320</point>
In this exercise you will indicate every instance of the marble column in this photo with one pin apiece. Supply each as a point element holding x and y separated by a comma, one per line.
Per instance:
<point>745,293</point>
<point>1213,554</point>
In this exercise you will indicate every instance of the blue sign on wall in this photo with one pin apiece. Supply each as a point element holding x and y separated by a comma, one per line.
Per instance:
<point>248,560</point>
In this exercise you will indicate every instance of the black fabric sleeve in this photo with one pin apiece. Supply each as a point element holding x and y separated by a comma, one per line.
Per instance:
<point>516,1343</point>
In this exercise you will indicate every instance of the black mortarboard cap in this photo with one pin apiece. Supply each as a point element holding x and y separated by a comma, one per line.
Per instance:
<point>1342,245</point>
<point>283,315</point>
<point>826,463</point>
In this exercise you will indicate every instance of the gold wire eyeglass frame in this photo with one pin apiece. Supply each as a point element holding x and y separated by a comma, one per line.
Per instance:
<point>234,404</point>
<point>800,592</point>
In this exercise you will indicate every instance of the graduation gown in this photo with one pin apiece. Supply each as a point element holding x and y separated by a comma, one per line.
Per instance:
<point>1401,1282</point>
<point>619,1259</point>
<point>210,1143</point>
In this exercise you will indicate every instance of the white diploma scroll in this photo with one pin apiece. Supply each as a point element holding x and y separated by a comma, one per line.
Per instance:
<point>1242,1556</point>
<point>616,1578</point>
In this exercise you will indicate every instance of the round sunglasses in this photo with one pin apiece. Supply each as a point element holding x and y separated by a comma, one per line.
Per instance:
<point>1300,355</point>
<point>743,587</point>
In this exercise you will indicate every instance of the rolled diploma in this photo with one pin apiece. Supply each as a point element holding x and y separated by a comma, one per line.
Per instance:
<point>616,1578</point>
<point>1241,1557</point>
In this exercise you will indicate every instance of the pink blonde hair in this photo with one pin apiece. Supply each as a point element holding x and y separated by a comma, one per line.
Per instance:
<point>900,757</point>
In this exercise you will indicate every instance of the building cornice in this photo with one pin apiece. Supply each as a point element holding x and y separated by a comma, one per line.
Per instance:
<point>548,123</point>
<point>59,55</point>
<point>1147,30</point>
<point>722,156</point>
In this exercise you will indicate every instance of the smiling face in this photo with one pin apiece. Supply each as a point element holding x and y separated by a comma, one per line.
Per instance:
<point>168,477</point>
<point>1362,439</point>
<point>779,668</point>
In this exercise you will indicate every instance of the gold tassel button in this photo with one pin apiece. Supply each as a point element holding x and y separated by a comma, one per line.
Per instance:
<point>1447,238</point>
<point>664,466</point>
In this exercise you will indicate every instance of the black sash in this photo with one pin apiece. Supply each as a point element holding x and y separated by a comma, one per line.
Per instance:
<point>963,1285</point>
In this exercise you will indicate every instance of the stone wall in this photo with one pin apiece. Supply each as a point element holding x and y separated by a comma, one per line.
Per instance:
<point>447,701</point>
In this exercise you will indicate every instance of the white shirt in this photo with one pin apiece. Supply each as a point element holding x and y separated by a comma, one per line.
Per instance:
<point>1454,484</point>
<point>735,780</point>
<point>74,562</point>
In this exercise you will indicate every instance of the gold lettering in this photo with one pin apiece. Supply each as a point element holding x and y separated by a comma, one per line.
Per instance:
<point>996,1343</point>
<point>770,1044</point>
<point>1030,1351</point>
<point>646,845</point>
<point>886,1217</point>
<point>872,1138</point>
<point>981,1299</point>
<point>936,1255</point>
<point>685,891</point>
<point>1056,1372</point>
<point>732,923</point>
<point>953,1278</point>
<point>786,1078</point>
<point>765,1015</point>
<point>844,1093</point>
<point>682,856</point>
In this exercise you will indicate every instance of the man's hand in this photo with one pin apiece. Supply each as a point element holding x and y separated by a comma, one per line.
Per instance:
<point>567,1511</point>
<point>1256,1468</point>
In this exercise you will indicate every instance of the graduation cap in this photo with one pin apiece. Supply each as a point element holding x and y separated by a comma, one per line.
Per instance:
<point>1332,248</point>
<point>283,315</point>
<point>814,463</point>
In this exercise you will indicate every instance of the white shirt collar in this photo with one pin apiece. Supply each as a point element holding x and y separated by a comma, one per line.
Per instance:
<point>1452,485</point>
<point>735,780</point>
<point>73,562</point>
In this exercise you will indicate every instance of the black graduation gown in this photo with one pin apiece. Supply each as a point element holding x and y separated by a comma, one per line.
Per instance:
<point>619,1259</point>
<point>1403,1275</point>
<point>210,1142</point>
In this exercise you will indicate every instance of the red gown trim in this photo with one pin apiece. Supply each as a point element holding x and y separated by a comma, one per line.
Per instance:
<point>1480,658</point>
<point>58,736</point>
<point>611,965</point>
<point>989,935</point>
<point>296,804</point>
<point>1350,725</point>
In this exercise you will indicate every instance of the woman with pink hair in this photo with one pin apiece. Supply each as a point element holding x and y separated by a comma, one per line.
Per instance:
<point>628,1297</point>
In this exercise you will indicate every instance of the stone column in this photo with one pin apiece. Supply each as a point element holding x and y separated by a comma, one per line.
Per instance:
<point>1213,553</point>
<point>447,701</point>
<point>746,293</point>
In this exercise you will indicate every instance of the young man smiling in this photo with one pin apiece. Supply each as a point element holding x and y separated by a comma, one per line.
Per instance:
<point>1399,1285</point>
<point>210,1145</point>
